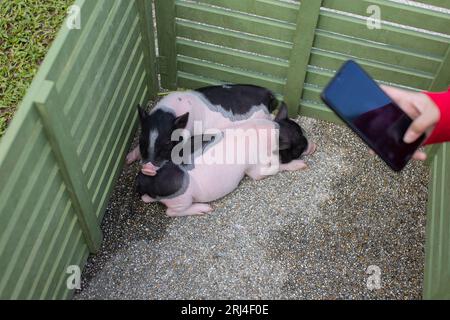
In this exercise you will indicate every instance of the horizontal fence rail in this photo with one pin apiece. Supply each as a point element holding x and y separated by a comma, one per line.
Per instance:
<point>66,144</point>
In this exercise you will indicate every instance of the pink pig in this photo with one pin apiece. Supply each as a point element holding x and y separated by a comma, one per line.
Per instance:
<point>185,190</point>
<point>216,107</point>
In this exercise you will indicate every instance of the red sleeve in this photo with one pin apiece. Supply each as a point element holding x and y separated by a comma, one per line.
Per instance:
<point>441,132</point>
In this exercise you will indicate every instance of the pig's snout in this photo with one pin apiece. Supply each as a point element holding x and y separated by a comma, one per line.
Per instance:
<point>149,169</point>
<point>311,149</point>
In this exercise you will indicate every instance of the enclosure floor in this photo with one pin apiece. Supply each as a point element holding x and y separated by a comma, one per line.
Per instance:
<point>301,235</point>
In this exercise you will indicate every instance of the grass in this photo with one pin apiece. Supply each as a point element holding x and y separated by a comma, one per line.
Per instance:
<point>27,28</point>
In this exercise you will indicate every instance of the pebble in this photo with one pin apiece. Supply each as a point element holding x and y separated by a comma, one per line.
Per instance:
<point>297,235</point>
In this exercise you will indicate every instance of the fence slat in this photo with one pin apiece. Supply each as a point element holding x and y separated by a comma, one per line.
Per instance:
<point>228,74</point>
<point>146,16</point>
<point>401,13</point>
<point>70,166</point>
<point>442,79</point>
<point>234,20</point>
<point>437,276</point>
<point>437,3</point>
<point>232,58</point>
<point>165,23</point>
<point>233,39</point>
<point>307,19</point>
<point>409,40</point>
<point>273,9</point>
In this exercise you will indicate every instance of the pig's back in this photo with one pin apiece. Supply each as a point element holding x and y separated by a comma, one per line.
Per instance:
<point>217,107</point>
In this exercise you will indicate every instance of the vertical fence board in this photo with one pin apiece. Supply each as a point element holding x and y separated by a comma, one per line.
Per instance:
<point>55,127</point>
<point>437,264</point>
<point>307,19</point>
<point>146,16</point>
<point>167,61</point>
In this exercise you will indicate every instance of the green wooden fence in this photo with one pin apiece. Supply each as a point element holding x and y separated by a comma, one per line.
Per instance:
<point>295,48</point>
<point>63,150</point>
<point>65,146</point>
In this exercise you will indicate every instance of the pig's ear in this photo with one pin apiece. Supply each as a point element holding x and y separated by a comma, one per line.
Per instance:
<point>142,113</point>
<point>283,113</point>
<point>181,121</point>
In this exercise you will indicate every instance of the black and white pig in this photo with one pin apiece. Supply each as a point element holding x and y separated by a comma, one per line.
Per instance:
<point>187,188</point>
<point>215,107</point>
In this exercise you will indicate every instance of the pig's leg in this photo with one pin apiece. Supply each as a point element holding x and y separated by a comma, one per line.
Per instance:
<point>147,199</point>
<point>183,206</point>
<point>257,173</point>
<point>133,156</point>
<point>194,209</point>
<point>293,166</point>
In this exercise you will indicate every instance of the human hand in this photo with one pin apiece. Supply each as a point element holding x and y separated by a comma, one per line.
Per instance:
<point>421,109</point>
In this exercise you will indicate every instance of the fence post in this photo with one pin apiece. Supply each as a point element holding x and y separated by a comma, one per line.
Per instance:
<point>440,83</point>
<point>307,19</point>
<point>167,60</point>
<point>63,148</point>
<point>145,11</point>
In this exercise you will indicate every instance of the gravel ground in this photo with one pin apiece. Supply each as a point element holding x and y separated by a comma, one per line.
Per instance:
<point>301,235</point>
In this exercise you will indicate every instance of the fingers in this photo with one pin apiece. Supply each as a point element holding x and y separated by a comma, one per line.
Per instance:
<point>418,107</point>
<point>403,99</point>
<point>419,126</point>
<point>420,155</point>
<point>394,93</point>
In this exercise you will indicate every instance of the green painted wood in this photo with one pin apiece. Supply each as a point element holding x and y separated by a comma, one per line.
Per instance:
<point>95,28</point>
<point>409,40</point>
<point>69,42</point>
<point>234,58</point>
<point>43,187</point>
<point>298,63</point>
<point>106,49</point>
<point>441,81</point>
<point>437,3</point>
<point>88,130</point>
<point>376,52</point>
<point>63,254</point>
<point>228,74</point>
<point>124,124</point>
<point>165,22</point>
<point>400,13</point>
<point>284,11</point>
<point>145,12</point>
<point>190,81</point>
<point>111,122</point>
<point>318,111</point>
<point>379,71</point>
<point>59,221</point>
<point>437,261</point>
<point>233,39</point>
<point>235,20</point>
<point>62,144</point>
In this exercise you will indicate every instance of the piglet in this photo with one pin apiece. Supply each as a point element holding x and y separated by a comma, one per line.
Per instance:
<point>187,188</point>
<point>215,107</point>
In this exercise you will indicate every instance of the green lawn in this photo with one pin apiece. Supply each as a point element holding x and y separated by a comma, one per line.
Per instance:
<point>27,28</point>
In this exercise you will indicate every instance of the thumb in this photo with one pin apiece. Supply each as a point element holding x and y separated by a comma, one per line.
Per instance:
<point>418,127</point>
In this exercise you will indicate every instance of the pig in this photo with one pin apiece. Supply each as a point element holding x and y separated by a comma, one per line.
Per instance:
<point>186,189</point>
<point>214,106</point>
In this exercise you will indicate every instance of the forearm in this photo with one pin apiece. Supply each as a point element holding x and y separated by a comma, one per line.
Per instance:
<point>441,132</point>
